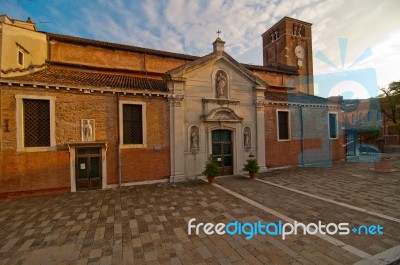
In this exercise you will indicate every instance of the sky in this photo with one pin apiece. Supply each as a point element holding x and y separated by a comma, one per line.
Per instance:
<point>189,27</point>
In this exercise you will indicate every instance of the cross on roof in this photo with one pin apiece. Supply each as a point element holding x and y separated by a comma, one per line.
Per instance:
<point>218,32</point>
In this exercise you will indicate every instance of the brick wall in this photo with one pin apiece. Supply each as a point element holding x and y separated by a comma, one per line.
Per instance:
<point>26,172</point>
<point>317,147</point>
<point>50,170</point>
<point>96,56</point>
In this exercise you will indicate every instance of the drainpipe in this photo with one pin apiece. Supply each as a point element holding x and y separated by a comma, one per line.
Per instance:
<point>302,135</point>
<point>119,146</point>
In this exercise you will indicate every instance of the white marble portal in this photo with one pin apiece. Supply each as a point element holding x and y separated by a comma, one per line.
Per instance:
<point>214,93</point>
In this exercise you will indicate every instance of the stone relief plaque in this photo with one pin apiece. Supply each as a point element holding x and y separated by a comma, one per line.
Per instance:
<point>88,130</point>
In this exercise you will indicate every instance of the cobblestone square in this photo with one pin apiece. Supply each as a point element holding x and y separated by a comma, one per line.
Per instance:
<point>148,224</point>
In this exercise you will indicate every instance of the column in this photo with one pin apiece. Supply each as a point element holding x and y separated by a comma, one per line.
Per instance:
<point>177,138</point>
<point>260,121</point>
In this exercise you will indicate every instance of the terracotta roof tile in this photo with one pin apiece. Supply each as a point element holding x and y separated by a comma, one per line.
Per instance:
<point>69,77</point>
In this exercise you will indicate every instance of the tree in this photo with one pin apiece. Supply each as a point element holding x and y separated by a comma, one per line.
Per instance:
<point>390,101</point>
<point>371,133</point>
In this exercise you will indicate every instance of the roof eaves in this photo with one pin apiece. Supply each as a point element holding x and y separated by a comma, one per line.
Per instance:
<point>271,69</point>
<point>11,82</point>
<point>100,68</point>
<point>119,46</point>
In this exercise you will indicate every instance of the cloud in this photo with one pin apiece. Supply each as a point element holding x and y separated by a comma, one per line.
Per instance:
<point>189,26</point>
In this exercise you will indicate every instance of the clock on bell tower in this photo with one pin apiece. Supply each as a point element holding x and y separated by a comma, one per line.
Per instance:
<point>289,42</point>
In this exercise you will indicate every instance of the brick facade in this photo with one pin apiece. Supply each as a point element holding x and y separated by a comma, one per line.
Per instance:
<point>87,79</point>
<point>311,146</point>
<point>24,172</point>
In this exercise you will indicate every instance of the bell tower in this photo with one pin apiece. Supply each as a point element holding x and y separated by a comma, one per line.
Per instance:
<point>289,42</point>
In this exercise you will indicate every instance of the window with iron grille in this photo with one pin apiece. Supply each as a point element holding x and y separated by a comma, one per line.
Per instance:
<point>132,124</point>
<point>283,125</point>
<point>36,122</point>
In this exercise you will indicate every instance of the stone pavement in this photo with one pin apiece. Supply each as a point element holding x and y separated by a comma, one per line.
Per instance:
<point>148,224</point>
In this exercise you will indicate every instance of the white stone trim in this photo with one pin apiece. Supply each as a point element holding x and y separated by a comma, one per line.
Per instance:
<point>20,123</point>
<point>72,169</point>
<point>121,127</point>
<point>83,89</point>
<point>139,183</point>
<point>72,163</point>
<point>289,125</point>
<point>236,140</point>
<point>288,219</point>
<point>342,204</point>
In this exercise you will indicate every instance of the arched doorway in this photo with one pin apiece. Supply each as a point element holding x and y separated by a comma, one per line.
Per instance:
<point>222,150</point>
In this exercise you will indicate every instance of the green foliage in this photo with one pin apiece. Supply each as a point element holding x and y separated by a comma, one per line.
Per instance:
<point>372,134</point>
<point>251,165</point>
<point>212,168</point>
<point>390,101</point>
<point>394,129</point>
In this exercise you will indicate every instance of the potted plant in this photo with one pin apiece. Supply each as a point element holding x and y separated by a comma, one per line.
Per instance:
<point>251,166</point>
<point>212,169</point>
<point>384,164</point>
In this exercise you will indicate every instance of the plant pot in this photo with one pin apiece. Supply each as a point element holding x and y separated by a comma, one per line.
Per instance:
<point>385,165</point>
<point>252,175</point>
<point>210,180</point>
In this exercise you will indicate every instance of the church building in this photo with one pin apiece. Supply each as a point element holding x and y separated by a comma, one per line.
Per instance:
<point>79,114</point>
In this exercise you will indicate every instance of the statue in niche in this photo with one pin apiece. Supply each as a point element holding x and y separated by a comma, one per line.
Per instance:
<point>87,130</point>
<point>221,83</point>
<point>194,139</point>
<point>247,140</point>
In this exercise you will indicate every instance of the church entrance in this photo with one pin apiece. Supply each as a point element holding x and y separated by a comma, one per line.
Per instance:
<point>222,150</point>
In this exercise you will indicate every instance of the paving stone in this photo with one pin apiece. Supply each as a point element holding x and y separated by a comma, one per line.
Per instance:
<point>148,224</point>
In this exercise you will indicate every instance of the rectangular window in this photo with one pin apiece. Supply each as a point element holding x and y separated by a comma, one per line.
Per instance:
<point>283,125</point>
<point>20,57</point>
<point>333,128</point>
<point>36,122</point>
<point>132,124</point>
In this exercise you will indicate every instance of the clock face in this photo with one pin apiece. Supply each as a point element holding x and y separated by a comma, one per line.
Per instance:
<point>299,51</point>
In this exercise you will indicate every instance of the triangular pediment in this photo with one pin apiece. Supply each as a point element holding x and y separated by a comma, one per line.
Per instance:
<point>181,71</point>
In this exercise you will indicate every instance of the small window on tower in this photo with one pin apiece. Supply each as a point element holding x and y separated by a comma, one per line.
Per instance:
<point>20,57</point>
